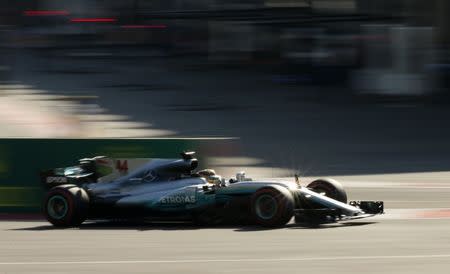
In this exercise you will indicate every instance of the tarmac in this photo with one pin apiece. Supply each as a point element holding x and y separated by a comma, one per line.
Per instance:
<point>412,236</point>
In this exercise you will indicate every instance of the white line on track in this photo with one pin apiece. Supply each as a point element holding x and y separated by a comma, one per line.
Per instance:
<point>337,258</point>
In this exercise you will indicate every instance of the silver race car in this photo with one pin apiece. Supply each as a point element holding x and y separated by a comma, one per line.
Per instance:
<point>170,189</point>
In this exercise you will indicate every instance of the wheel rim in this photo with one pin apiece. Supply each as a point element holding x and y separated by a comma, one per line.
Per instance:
<point>324,192</point>
<point>57,207</point>
<point>266,206</point>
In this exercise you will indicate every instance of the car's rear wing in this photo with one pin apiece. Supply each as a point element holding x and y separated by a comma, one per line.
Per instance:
<point>49,178</point>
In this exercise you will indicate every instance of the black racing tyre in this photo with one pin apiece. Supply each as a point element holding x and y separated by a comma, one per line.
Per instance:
<point>66,206</point>
<point>330,188</point>
<point>272,207</point>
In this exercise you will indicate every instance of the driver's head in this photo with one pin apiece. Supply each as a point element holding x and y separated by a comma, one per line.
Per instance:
<point>214,179</point>
<point>209,175</point>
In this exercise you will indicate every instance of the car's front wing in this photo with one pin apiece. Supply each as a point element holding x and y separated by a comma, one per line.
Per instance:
<point>327,209</point>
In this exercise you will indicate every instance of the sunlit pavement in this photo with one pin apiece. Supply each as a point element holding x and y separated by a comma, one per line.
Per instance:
<point>28,112</point>
<point>412,246</point>
<point>391,243</point>
<point>308,130</point>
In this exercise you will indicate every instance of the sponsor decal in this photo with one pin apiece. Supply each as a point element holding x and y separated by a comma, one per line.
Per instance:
<point>186,197</point>
<point>122,166</point>
<point>179,199</point>
<point>53,179</point>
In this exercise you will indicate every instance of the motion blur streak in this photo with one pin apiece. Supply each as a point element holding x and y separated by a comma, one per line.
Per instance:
<point>144,26</point>
<point>251,260</point>
<point>93,20</point>
<point>45,12</point>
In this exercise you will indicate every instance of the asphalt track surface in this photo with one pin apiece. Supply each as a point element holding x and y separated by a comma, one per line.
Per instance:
<point>412,237</point>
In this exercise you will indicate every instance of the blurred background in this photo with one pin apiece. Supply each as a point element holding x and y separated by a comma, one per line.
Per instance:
<point>315,87</point>
<point>353,89</point>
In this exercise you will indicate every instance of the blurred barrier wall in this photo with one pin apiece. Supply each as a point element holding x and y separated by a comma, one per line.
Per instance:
<point>21,160</point>
<point>396,61</point>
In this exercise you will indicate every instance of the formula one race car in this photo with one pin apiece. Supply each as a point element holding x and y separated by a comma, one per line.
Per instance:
<point>169,190</point>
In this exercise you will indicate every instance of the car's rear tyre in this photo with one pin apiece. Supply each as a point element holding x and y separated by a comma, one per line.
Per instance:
<point>330,188</point>
<point>66,206</point>
<point>272,207</point>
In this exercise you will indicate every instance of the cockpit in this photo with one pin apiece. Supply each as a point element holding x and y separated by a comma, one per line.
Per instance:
<point>159,170</point>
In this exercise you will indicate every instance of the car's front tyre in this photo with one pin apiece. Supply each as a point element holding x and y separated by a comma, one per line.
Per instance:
<point>66,206</point>
<point>330,188</point>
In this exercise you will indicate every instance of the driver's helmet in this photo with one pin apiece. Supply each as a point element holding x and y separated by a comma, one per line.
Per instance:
<point>209,175</point>
<point>215,180</point>
<point>206,172</point>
